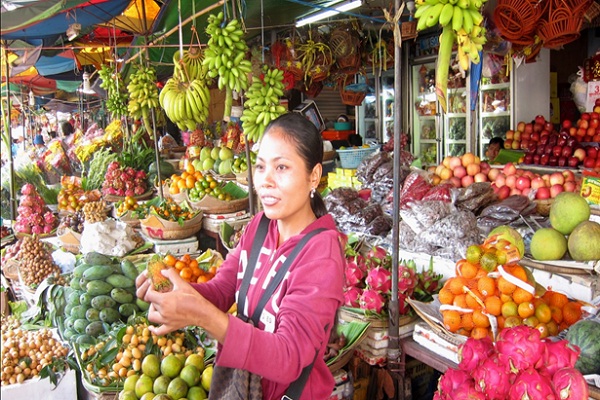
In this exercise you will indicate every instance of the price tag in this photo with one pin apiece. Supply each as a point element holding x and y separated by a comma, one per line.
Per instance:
<point>593,93</point>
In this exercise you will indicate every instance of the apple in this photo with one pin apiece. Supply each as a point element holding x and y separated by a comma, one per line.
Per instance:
<point>537,183</point>
<point>549,126</point>
<point>493,174</point>
<point>485,167</point>
<point>460,171</point>
<point>540,119</point>
<point>524,144</point>
<point>510,134</point>
<point>536,158</point>
<point>596,138</point>
<point>526,135</point>
<point>509,169</point>
<point>552,160</point>
<point>455,182</point>
<point>592,152</point>
<point>589,162</point>
<point>532,147</point>
<point>555,190</point>
<point>516,135</point>
<point>511,181</point>
<point>583,123</point>
<point>553,139</point>
<point>562,161</point>
<point>566,151</point>
<point>544,159</point>
<point>584,116</point>
<point>466,180</point>
<point>540,149</point>
<point>503,192</point>
<point>525,192</point>
<point>535,136</point>
<point>537,127</point>
<point>581,132</point>
<point>573,131</point>
<point>557,150</point>
<point>516,145</point>
<point>594,122</point>
<point>594,115</point>
<point>523,182</point>
<point>515,192</point>
<point>566,124</point>
<point>500,180</point>
<point>562,140</point>
<point>542,193</point>
<point>571,141</point>
<point>480,177</point>
<point>521,126</point>
<point>528,159</point>
<point>544,140</point>
<point>473,169</point>
<point>569,175</point>
<point>573,162</point>
<point>591,131</point>
<point>508,144</point>
<point>570,186</point>
<point>528,127</point>
<point>454,162</point>
<point>557,178</point>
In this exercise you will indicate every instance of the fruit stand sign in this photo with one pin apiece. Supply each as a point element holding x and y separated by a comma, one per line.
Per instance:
<point>593,93</point>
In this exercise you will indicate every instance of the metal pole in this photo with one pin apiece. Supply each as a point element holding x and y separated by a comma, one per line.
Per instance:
<point>11,166</point>
<point>393,352</point>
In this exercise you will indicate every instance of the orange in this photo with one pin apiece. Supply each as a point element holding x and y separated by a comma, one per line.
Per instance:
<point>186,274</point>
<point>180,265</point>
<point>198,175</point>
<point>460,301</point>
<point>526,309</point>
<point>489,261</point>
<point>451,320</point>
<point>196,272</point>
<point>510,309</point>
<point>186,258</point>
<point>193,263</point>
<point>466,269</point>
<point>474,300</point>
<point>480,333</point>
<point>552,328</point>
<point>531,321</point>
<point>505,286</point>
<point>456,285</point>
<point>474,253</point>
<point>505,297</point>
<point>212,270</point>
<point>190,182</point>
<point>557,299</point>
<point>543,313</point>
<point>481,273</point>
<point>557,314</point>
<point>174,189</point>
<point>170,260</point>
<point>189,168</point>
<point>493,305</point>
<point>571,312</point>
<point>517,271</point>
<point>464,332</point>
<point>184,175</point>
<point>445,296</point>
<point>486,286</point>
<point>500,320</point>
<point>202,279</point>
<point>521,296</point>
<point>480,320</point>
<point>181,184</point>
<point>544,332</point>
<point>466,320</point>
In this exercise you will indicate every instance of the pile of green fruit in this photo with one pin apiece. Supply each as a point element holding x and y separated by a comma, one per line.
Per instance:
<point>175,377</point>
<point>218,159</point>
<point>102,292</point>
<point>240,162</point>
<point>208,185</point>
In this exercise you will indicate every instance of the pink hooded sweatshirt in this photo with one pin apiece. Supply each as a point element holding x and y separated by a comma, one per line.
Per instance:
<point>298,318</point>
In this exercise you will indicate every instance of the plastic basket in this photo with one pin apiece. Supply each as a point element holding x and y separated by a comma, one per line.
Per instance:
<point>563,22</point>
<point>518,18</point>
<point>351,158</point>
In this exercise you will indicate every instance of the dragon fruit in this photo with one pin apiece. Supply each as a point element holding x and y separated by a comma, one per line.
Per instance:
<point>520,347</point>
<point>492,377</point>
<point>451,380</point>
<point>378,256</point>
<point>403,306</point>
<point>467,391</point>
<point>49,218</point>
<point>407,280</point>
<point>531,385</point>
<point>354,275</point>
<point>570,384</point>
<point>27,201</point>
<point>372,300</point>
<point>352,295</point>
<point>28,189</point>
<point>379,279</point>
<point>557,355</point>
<point>473,351</point>
<point>24,211</point>
<point>37,229</point>
<point>48,228</point>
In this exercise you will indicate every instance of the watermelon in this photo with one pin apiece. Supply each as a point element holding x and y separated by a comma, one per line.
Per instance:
<point>585,334</point>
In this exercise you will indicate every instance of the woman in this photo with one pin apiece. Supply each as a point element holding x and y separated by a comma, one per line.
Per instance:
<point>298,319</point>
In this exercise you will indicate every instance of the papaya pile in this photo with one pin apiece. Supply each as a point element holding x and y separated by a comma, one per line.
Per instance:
<point>102,292</point>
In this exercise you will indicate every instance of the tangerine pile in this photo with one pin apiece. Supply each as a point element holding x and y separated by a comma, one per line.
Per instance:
<point>475,288</point>
<point>187,180</point>
<point>189,269</point>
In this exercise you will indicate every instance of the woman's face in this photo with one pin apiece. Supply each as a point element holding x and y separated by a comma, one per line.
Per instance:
<point>493,150</point>
<point>282,183</point>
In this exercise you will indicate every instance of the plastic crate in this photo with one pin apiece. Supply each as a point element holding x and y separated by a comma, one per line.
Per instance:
<point>351,158</point>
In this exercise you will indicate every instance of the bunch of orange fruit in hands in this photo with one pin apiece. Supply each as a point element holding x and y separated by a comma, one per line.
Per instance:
<point>189,268</point>
<point>487,286</point>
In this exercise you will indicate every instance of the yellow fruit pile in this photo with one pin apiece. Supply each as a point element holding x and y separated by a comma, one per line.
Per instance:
<point>486,287</point>
<point>186,180</point>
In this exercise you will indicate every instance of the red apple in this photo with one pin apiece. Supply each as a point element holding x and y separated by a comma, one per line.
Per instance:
<point>557,151</point>
<point>485,167</point>
<point>466,180</point>
<point>592,152</point>
<point>525,192</point>
<point>540,119</point>
<point>570,186</point>
<point>549,126</point>
<point>567,151</point>
<point>557,178</point>
<point>455,182</point>
<point>493,174</point>
<point>515,192</point>
<point>500,180</point>
<point>509,169</point>
<point>538,127</point>
<point>510,134</point>
<point>589,162</point>
<point>454,162</point>
<point>573,162</point>
<point>459,171</point>
<point>537,183</point>
<point>594,123</point>
<point>536,158</point>
<point>571,141</point>
<point>480,177</point>
<point>583,123</point>
<point>508,144</point>
<point>569,175</point>
<point>555,190</point>
<point>553,139</point>
<point>528,159</point>
<point>516,144</point>
<point>585,116</point>
<point>535,136</point>
<point>566,124</point>
<point>544,159</point>
<point>562,161</point>
<point>543,140</point>
<point>503,192</point>
<point>524,144</point>
<point>517,135</point>
<point>573,131</point>
<point>591,131</point>
<point>511,181</point>
<point>596,138</point>
<point>523,182</point>
<point>542,193</point>
<point>521,126</point>
<point>528,127</point>
<point>581,132</point>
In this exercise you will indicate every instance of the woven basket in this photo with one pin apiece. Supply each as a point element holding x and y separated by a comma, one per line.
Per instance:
<point>314,89</point>
<point>159,228</point>
<point>592,12</point>
<point>518,18</point>
<point>345,47</point>
<point>349,97</point>
<point>542,207</point>
<point>408,30</point>
<point>563,22</point>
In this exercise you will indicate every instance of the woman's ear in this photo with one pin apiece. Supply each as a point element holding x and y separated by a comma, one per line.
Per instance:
<point>315,176</point>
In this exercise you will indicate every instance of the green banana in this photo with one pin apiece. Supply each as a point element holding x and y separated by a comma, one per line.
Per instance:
<point>446,14</point>
<point>467,21</point>
<point>443,64</point>
<point>457,18</point>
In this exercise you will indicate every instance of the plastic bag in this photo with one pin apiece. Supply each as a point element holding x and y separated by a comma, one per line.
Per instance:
<point>415,186</point>
<point>579,90</point>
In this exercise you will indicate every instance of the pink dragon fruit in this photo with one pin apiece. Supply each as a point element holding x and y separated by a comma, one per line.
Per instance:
<point>473,352</point>
<point>492,377</point>
<point>531,385</point>
<point>354,275</point>
<point>114,165</point>
<point>451,380</point>
<point>557,355</point>
<point>439,396</point>
<point>372,300</point>
<point>403,306</point>
<point>520,347</point>
<point>569,384</point>
<point>467,391</point>
<point>23,227</point>
<point>28,189</point>
<point>49,218</point>
<point>379,279</point>
<point>140,175</point>
<point>352,295</point>
<point>27,201</point>
<point>48,229</point>
<point>378,256</point>
<point>37,229</point>
<point>407,280</point>
<point>139,190</point>
<point>37,208</point>
<point>24,211</point>
<point>129,192</point>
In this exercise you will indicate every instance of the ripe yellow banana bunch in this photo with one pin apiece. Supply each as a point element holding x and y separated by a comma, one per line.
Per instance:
<point>262,103</point>
<point>225,53</point>
<point>142,90</point>
<point>185,103</point>
<point>188,64</point>
<point>469,46</point>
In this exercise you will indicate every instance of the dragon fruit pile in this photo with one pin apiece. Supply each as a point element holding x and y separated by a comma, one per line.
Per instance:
<point>34,216</point>
<point>368,283</point>
<point>519,366</point>
<point>124,181</point>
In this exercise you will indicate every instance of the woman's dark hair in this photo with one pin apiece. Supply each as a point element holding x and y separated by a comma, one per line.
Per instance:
<point>309,143</point>
<point>498,140</point>
<point>67,128</point>
<point>52,134</point>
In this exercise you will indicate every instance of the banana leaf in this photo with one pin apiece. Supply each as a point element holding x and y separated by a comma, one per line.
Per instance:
<point>354,332</point>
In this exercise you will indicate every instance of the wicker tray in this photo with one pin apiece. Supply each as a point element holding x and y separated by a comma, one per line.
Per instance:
<point>212,205</point>
<point>144,196</point>
<point>159,228</point>
<point>21,235</point>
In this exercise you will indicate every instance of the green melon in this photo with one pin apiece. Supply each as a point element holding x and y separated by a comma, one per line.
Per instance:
<point>586,335</point>
<point>568,210</point>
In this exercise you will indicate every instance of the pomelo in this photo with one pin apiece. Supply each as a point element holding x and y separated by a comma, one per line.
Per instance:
<point>548,244</point>
<point>584,241</point>
<point>511,235</point>
<point>568,210</point>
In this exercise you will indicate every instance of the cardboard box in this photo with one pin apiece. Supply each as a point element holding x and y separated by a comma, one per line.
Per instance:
<point>42,388</point>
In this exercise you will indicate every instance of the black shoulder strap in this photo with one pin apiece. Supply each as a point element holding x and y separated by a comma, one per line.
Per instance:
<point>259,239</point>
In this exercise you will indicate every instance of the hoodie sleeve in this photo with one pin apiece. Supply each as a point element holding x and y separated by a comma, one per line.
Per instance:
<point>312,295</point>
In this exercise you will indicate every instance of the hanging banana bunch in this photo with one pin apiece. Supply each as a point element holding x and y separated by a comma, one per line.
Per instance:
<point>462,21</point>
<point>189,64</point>
<point>112,82</point>
<point>225,53</point>
<point>262,103</point>
<point>142,90</point>
<point>185,103</point>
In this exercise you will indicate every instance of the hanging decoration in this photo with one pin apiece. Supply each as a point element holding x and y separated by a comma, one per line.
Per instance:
<point>462,22</point>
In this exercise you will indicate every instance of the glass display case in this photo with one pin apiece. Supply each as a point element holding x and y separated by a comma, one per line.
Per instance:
<point>376,114</point>
<point>457,119</point>
<point>426,141</point>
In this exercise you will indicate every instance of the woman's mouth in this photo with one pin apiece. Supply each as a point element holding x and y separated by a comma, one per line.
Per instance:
<point>268,200</point>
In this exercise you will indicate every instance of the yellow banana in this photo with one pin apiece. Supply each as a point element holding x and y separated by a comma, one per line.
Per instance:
<point>422,21</point>
<point>443,64</point>
<point>420,10</point>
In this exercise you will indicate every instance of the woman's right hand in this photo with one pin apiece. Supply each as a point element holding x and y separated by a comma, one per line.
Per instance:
<point>142,284</point>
